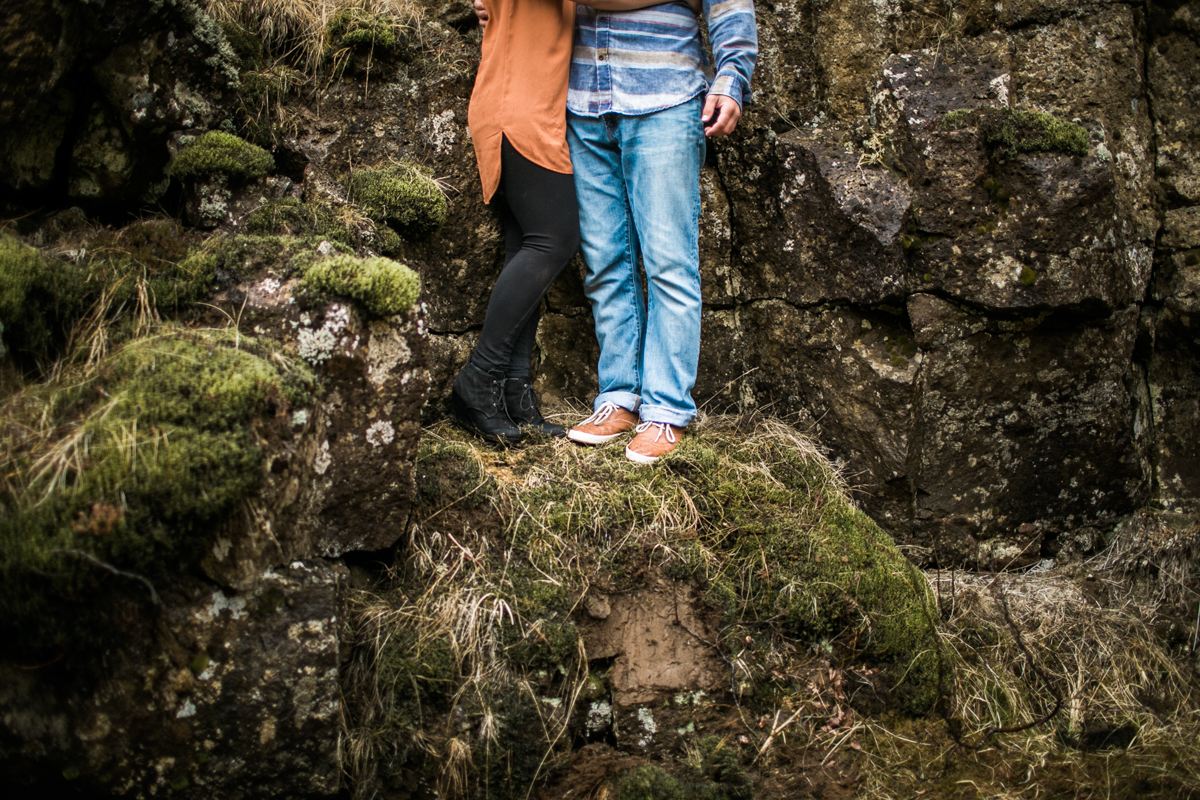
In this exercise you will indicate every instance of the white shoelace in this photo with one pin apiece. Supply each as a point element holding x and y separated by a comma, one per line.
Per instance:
<point>602,413</point>
<point>663,428</point>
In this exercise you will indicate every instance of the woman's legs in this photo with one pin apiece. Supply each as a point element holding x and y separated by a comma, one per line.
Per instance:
<point>541,232</point>
<point>540,212</point>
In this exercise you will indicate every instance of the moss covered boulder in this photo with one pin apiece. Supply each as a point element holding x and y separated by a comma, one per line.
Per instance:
<point>384,287</point>
<point>217,153</point>
<point>569,594</point>
<point>402,194</point>
<point>127,470</point>
<point>40,298</point>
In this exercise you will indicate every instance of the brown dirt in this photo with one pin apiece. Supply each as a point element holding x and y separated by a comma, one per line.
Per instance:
<point>659,640</point>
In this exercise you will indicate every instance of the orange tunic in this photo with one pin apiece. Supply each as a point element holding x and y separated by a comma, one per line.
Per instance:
<point>521,87</point>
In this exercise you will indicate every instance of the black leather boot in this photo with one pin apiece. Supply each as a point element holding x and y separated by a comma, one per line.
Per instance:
<point>477,403</point>
<point>521,402</point>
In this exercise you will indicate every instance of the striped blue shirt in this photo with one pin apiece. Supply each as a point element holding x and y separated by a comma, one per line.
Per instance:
<point>636,62</point>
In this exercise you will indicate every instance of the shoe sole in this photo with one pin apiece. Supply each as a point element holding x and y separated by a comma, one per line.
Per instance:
<point>593,438</point>
<point>638,458</point>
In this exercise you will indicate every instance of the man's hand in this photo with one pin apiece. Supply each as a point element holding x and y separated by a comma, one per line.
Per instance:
<point>720,116</point>
<point>481,12</point>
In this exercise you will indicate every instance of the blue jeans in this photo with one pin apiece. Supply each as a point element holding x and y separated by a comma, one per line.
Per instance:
<point>637,180</point>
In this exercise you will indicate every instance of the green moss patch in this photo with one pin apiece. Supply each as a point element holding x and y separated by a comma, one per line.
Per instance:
<point>156,259</point>
<point>218,153</point>
<point>358,28</point>
<point>318,222</point>
<point>1009,132</point>
<point>717,775</point>
<point>403,195</point>
<point>127,468</point>
<point>290,217</point>
<point>382,286</point>
<point>40,298</point>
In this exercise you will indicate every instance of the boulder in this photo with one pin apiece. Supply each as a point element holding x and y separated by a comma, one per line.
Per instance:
<point>219,693</point>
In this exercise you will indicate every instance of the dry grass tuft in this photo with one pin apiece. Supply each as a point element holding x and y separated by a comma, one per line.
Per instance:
<point>1087,640</point>
<point>301,28</point>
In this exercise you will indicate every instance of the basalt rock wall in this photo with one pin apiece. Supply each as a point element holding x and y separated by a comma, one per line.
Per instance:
<point>997,342</point>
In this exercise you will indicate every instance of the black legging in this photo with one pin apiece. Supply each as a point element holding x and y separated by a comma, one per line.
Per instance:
<point>541,234</point>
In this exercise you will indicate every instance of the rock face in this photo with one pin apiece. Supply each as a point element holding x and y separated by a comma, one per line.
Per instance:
<point>93,91</point>
<point>229,693</point>
<point>968,318</point>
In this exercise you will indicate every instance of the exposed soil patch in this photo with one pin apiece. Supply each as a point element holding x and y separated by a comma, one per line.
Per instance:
<point>660,639</point>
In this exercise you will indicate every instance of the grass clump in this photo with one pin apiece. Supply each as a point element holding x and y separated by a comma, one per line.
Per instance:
<point>717,775</point>
<point>152,259</point>
<point>384,287</point>
<point>1009,132</point>
<point>290,217</point>
<point>125,468</point>
<point>404,195</point>
<point>219,153</point>
<point>359,28</point>
<point>304,28</point>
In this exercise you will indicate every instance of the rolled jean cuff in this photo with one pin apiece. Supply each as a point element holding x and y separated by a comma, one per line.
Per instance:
<point>626,400</point>
<point>679,419</point>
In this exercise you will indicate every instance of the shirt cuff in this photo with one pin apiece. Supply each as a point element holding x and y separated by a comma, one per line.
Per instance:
<point>730,86</point>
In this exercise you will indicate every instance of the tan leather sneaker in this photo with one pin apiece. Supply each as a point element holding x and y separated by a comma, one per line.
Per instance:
<point>653,440</point>
<point>609,422</point>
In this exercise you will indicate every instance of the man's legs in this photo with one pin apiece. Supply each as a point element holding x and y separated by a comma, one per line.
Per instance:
<point>661,156</point>
<point>610,249</point>
<point>638,183</point>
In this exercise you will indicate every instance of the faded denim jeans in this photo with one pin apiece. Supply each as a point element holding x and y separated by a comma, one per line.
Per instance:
<point>637,180</point>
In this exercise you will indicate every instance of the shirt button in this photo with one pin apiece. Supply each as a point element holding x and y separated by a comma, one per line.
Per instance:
<point>603,55</point>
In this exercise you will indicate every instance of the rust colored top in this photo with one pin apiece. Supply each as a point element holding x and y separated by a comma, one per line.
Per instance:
<point>521,87</point>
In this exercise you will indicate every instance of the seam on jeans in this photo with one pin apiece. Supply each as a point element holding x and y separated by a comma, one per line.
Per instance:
<point>635,283</point>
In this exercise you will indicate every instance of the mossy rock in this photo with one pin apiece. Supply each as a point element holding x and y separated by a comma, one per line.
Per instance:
<point>40,298</point>
<point>219,153</point>
<point>384,287</point>
<point>127,469</point>
<point>775,544</point>
<point>154,257</point>
<point>290,217</point>
<point>403,195</point>
<point>1009,132</point>
<point>719,776</point>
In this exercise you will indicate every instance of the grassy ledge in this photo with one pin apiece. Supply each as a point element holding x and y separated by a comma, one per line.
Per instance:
<point>846,668</point>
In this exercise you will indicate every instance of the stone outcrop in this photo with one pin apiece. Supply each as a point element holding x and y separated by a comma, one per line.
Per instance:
<point>229,683</point>
<point>226,692</point>
<point>93,92</point>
